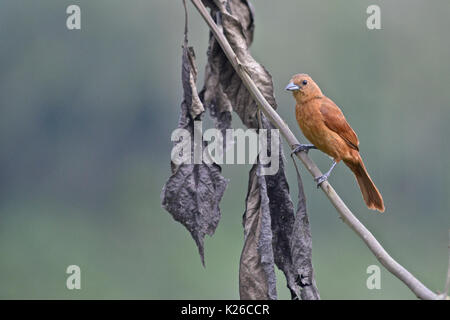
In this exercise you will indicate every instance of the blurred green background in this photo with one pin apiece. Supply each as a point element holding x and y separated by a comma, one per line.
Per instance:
<point>85,124</point>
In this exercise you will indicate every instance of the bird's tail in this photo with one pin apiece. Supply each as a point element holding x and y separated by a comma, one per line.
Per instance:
<point>370,193</point>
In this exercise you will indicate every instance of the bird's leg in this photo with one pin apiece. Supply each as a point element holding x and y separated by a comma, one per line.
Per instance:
<point>303,147</point>
<point>324,177</point>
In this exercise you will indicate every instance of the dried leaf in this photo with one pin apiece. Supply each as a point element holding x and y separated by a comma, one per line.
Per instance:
<point>256,271</point>
<point>301,249</point>
<point>193,192</point>
<point>189,79</point>
<point>238,27</point>
<point>282,217</point>
<point>192,195</point>
<point>212,94</point>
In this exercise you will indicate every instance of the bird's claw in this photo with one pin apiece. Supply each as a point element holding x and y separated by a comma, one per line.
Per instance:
<point>302,147</point>
<point>321,180</point>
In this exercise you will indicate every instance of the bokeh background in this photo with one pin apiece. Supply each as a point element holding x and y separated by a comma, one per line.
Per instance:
<point>85,124</point>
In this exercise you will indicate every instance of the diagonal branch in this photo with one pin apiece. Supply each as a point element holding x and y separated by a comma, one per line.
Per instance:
<point>420,290</point>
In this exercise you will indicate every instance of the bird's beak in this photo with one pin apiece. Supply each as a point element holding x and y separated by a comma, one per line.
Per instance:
<point>291,87</point>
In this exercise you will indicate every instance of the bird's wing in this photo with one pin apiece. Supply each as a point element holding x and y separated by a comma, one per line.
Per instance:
<point>334,119</point>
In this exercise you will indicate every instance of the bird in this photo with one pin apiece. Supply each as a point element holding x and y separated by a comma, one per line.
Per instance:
<point>324,125</point>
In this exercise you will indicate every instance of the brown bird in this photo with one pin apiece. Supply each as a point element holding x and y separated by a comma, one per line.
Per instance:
<point>323,124</point>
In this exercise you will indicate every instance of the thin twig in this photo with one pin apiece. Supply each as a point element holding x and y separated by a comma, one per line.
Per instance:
<point>420,290</point>
<point>186,22</point>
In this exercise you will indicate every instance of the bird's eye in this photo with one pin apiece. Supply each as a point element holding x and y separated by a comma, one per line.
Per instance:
<point>305,82</point>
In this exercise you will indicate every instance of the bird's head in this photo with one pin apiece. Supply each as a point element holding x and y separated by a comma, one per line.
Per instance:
<point>303,88</point>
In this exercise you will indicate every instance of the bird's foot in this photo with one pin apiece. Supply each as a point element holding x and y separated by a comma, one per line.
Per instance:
<point>325,176</point>
<point>321,179</point>
<point>302,147</point>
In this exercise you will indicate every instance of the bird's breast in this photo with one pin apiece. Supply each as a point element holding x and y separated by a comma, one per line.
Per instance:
<point>314,129</point>
<point>309,120</point>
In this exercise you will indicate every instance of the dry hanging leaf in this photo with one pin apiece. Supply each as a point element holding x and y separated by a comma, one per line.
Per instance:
<point>256,270</point>
<point>301,248</point>
<point>222,83</point>
<point>193,192</point>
